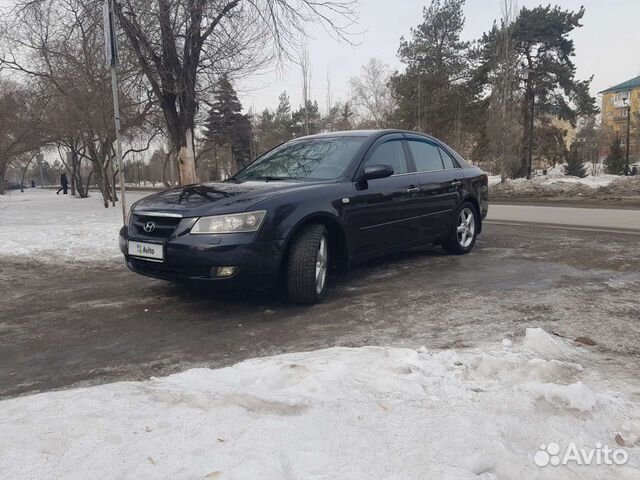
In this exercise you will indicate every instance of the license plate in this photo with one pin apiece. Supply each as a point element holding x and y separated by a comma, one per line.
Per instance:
<point>152,251</point>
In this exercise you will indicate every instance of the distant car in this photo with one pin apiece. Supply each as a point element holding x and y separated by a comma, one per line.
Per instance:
<point>314,203</point>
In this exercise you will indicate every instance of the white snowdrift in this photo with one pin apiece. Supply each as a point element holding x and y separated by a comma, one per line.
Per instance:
<point>41,225</point>
<point>588,181</point>
<point>365,413</point>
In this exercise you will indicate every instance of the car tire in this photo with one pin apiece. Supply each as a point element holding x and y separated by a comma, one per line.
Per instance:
<point>307,265</point>
<point>464,230</point>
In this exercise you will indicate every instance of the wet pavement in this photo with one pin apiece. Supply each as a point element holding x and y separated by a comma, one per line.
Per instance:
<point>63,326</point>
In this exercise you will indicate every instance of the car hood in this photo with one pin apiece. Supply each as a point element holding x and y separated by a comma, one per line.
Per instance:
<point>216,197</point>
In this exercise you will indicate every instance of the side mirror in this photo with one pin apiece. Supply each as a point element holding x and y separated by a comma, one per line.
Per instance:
<point>377,170</point>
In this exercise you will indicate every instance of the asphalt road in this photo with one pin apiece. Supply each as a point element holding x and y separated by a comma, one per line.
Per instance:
<point>71,325</point>
<point>585,218</point>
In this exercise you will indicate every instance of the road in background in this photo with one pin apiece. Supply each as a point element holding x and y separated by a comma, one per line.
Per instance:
<point>589,218</point>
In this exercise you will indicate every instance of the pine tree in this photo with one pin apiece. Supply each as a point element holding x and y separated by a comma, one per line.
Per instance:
<point>299,117</point>
<point>274,127</point>
<point>615,162</point>
<point>541,38</point>
<point>339,118</point>
<point>226,126</point>
<point>345,119</point>
<point>283,120</point>
<point>575,166</point>
<point>435,94</point>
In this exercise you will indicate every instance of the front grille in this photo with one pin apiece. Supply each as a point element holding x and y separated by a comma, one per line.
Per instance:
<point>168,271</point>
<point>163,226</point>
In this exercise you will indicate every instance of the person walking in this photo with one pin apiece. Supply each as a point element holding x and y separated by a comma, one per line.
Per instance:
<point>64,184</point>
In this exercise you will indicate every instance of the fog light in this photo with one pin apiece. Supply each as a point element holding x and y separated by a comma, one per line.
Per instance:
<point>226,271</point>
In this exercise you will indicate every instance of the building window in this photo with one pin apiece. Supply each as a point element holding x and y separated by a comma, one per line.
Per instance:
<point>620,96</point>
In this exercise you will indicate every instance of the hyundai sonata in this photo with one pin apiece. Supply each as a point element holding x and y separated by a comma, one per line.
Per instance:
<point>308,206</point>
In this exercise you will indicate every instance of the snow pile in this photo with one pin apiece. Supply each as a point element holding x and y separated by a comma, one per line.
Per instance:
<point>371,412</point>
<point>557,184</point>
<point>41,225</point>
<point>557,174</point>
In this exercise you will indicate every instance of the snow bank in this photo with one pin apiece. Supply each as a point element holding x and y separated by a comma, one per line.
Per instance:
<point>41,225</point>
<point>555,182</point>
<point>340,413</point>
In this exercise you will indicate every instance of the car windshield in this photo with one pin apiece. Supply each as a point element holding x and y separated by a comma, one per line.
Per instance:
<point>305,159</point>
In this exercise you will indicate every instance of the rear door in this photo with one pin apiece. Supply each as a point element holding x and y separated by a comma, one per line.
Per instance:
<point>440,185</point>
<point>383,213</point>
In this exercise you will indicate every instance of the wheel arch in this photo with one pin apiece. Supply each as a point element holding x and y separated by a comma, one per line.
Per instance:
<point>476,205</point>
<point>338,245</point>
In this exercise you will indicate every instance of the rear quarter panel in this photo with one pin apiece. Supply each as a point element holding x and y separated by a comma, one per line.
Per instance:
<point>478,184</point>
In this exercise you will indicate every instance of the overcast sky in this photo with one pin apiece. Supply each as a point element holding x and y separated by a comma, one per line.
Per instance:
<point>606,46</point>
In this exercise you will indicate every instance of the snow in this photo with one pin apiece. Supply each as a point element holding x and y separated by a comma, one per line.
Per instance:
<point>41,225</point>
<point>556,175</point>
<point>347,413</point>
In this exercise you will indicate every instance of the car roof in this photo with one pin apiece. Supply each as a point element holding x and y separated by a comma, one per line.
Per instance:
<point>363,133</point>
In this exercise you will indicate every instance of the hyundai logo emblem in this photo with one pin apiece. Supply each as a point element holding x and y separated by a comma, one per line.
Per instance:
<point>149,227</point>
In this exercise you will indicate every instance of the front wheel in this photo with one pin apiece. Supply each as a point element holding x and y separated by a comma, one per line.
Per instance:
<point>464,232</point>
<point>308,264</point>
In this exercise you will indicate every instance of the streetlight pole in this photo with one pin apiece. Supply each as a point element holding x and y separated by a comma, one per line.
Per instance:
<point>530,95</point>
<point>111,51</point>
<point>628,105</point>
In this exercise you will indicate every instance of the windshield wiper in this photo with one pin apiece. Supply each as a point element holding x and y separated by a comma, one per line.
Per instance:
<point>270,178</point>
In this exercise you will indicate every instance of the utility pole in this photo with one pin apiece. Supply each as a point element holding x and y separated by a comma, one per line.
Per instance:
<point>532,101</point>
<point>531,111</point>
<point>111,51</point>
<point>419,103</point>
<point>627,103</point>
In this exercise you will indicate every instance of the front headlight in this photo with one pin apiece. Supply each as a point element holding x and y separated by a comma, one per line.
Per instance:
<point>234,223</point>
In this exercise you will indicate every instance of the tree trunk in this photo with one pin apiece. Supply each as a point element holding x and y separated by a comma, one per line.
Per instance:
<point>103,183</point>
<point>24,173</point>
<point>76,175</point>
<point>187,159</point>
<point>114,197</point>
<point>163,171</point>
<point>86,190</point>
<point>3,171</point>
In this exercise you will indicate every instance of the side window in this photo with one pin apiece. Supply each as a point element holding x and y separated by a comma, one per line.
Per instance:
<point>426,155</point>
<point>447,160</point>
<point>390,153</point>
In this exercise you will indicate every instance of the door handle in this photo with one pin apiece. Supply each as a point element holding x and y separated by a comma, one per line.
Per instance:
<point>456,183</point>
<point>413,190</point>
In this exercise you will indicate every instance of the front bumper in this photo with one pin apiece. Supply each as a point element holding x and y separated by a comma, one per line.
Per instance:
<point>197,257</point>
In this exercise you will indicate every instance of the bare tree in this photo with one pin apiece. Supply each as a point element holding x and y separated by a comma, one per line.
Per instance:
<point>503,128</point>
<point>58,44</point>
<point>329,99</point>
<point>20,117</point>
<point>372,98</point>
<point>305,69</point>
<point>180,44</point>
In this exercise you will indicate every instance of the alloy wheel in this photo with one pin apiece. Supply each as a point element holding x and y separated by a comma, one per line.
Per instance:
<point>321,264</point>
<point>466,228</point>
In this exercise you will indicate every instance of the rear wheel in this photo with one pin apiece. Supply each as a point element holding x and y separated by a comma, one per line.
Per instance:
<point>463,234</point>
<point>308,264</point>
